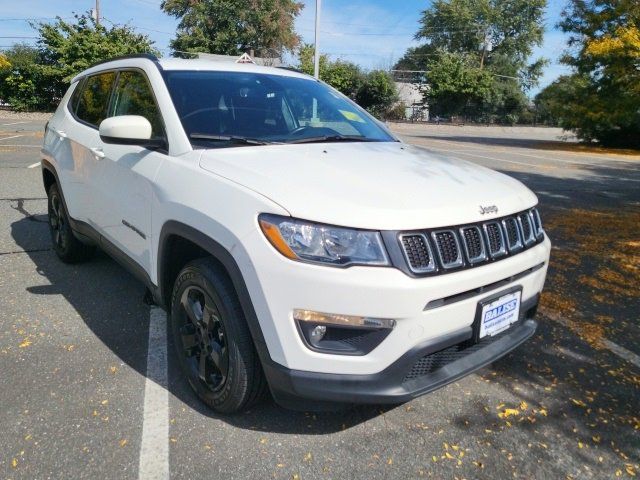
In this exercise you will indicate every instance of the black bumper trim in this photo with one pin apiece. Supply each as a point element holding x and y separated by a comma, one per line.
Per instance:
<point>302,390</point>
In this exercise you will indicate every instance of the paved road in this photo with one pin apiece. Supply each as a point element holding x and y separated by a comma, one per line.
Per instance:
<point>73,354</point>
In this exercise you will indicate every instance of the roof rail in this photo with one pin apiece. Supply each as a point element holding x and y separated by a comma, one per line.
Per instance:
<point>148,56</point>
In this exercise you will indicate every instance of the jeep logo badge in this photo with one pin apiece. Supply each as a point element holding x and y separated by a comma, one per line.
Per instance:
<point>488,209</point>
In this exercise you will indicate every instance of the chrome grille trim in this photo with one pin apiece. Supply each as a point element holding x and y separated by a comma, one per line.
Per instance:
<point>458,262</point>
<point>466,248</point>
<point>537,223</point>
<point>431,267</point>
<point>525,223</point>
<point>513,245</point>
<point>503,243</point>
<point>482,255</point>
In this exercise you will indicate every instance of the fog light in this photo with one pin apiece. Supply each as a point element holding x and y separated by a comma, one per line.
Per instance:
<point>318,333</point>
<point>341,334</point>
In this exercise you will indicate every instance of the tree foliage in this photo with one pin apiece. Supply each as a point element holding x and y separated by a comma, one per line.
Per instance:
<point>232,27</point>
<point>38,77</point>
<point>374,91</point>
<point>485,45</point>
<point>377,93</point>
<point>601,100</point>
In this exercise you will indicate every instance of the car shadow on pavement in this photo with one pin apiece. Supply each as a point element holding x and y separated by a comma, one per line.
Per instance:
<point>110,302</point>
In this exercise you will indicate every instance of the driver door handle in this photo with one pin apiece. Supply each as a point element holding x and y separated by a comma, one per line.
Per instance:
<point>97,152</point>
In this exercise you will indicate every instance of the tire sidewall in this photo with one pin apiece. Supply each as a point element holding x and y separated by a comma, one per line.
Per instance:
<point>223,399</point>
<point>66,230</point>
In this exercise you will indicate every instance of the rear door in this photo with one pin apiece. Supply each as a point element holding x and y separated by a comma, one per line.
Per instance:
<point>124,181</point>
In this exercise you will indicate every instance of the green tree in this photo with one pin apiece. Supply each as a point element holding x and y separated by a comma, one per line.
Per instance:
<point>20,78</point>
<point>233,27</point>
<point>457,85</point>
<point>38,77</point>
<point>377,93</point>
<point>602,97</point>
<point>68,48</point>
<point>493,36</point>
<point>345,77</point>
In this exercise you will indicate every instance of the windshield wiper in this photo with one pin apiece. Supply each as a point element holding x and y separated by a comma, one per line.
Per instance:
<point>229,138</point>
<point>333,138</point>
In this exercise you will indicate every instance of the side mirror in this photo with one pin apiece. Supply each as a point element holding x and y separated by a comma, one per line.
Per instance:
<point>128,130</point>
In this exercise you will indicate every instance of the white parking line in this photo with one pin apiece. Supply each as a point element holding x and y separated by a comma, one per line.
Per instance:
<point>9,138</point>
<point>622,352</point>
<point>154,446</point>
<point>34,165</point>
<point>13,123</point>
<point>16,145</point>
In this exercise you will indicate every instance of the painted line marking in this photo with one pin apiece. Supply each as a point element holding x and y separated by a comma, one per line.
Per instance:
<point>154,446</point>
<point>16,145</point>
<point>9,138</point>
<point>12,123</point>
<point>37,164</point>
<point>622,352</point>
<point>481,156</point>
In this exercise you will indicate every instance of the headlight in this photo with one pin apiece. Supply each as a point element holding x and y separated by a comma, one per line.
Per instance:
<point>317,243</point>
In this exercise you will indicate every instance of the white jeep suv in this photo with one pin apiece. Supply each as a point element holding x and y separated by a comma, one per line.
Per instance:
<point>296,243</point>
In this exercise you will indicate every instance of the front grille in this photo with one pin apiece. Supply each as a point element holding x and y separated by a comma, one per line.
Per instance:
<point>512,233</point>
<point>473,244</point>
<point>418,253</point>
<point>448,248</point>
<point>431,251</point>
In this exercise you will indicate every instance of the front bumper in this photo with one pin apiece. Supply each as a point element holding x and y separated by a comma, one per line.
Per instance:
<point>398,383</point>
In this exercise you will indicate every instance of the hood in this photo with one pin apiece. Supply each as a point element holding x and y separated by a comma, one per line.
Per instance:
<point>381,186</point>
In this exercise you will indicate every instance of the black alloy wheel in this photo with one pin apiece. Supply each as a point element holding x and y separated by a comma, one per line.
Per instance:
<point>202,339</point>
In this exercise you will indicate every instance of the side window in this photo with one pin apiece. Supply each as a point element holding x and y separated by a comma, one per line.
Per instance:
<point>75,98</point>
<point>93,102</point>
<point>133,96</point>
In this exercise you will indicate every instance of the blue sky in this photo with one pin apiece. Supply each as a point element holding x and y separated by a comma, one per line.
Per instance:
<point>372,33</point>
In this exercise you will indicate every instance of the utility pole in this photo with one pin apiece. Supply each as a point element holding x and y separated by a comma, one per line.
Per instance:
<point>97,12</point>
<point>316,57</point>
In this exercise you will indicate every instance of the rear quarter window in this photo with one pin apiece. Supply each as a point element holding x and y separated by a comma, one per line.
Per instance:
<point>93,99</point>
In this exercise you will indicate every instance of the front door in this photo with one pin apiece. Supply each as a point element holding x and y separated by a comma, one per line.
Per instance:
<point>125,177</point>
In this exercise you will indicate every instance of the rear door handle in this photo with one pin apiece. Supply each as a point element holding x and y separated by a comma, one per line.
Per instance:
<point>97,152</point>
<point>60,133</point>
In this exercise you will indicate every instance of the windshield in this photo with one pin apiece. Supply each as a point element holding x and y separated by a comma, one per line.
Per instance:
<point>244,108</point>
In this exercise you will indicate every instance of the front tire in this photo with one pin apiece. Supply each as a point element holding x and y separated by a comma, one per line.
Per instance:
<point>68,248</point>
<point>212,339</point>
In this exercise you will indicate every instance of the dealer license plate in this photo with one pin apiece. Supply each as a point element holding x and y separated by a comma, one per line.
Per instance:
<point>499,314</point>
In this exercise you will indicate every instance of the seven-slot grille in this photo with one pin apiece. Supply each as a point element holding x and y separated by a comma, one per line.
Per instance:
<point>427,252</point>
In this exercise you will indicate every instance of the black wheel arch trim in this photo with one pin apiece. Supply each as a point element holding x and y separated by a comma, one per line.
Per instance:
<point>222,255</point>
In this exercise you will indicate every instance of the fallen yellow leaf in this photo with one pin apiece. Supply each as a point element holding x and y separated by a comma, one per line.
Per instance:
<point>25,343</point>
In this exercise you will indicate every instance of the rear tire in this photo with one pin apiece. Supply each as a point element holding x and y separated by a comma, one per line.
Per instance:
<point>68,248</point>
<point>213,343</point>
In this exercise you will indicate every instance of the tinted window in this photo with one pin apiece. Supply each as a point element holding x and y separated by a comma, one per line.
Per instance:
<point>94,98</point>
<point>133,96</point>
<point>75,98</point>
<point>274,108</point>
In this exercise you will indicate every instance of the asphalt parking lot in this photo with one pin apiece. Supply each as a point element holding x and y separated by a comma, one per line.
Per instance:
<point>74,344</point>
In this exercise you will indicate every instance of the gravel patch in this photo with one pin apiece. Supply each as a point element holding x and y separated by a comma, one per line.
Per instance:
<point>9,115</point>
